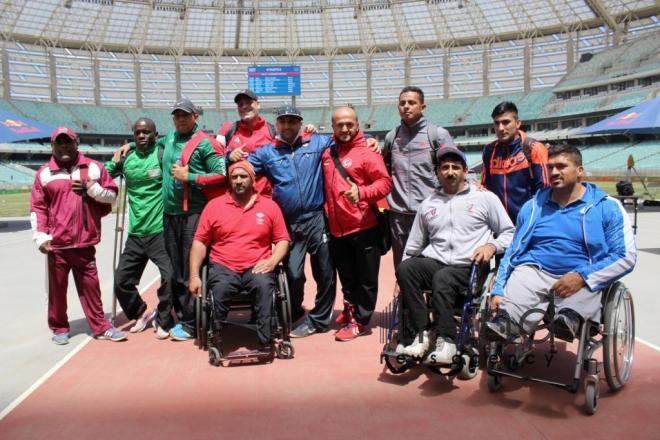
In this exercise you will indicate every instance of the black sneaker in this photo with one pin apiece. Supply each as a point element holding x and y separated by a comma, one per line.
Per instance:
<point>501,328</point>
<point>566,325</point>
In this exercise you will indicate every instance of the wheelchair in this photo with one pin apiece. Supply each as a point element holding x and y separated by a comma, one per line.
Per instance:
<point>614,333</point>
<point>469,350</point>
<point>210,338</point>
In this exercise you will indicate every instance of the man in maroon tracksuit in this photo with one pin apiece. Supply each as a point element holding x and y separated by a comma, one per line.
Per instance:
<point>69,196</point>
<point>350,204</point>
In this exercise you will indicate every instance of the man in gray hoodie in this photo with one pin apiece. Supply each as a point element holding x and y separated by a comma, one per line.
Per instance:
<point>409,152</point>
<point>454,227</point>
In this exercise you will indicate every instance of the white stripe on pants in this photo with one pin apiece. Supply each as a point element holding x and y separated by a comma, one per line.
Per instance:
<point>527,288</point>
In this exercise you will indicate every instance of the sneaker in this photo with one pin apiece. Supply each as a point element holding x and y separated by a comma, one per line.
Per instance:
<point>400,349</point>
<point>60,338</point>
<point>161,333</point>
<point>501,328</point>
<point>303,330</point>
<point>178,333</point>
<point>112,334</point>
<point>346,314</point>
<point>566,325</point>
<point>143,321</point>
<point>419,345</point>
<point>350,331</point>
<point>443,354</point>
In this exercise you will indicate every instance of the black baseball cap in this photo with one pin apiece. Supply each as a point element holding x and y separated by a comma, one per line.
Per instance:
<point>246,92</point>
<point>186,105</point>
<point>288,110</point>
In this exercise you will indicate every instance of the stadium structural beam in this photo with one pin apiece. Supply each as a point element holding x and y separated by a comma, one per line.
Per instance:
<point>331,83</point>
<point>6,89</point>
<point>369,72</point>
<point>216,80</point>
<point>177,76</point>
<point>137,70</point>
<point>601,11</point>
<point>52,73</point>
<point>97,79</point>
<point>527,62</point>
<point>570,52</point>
<point>485,64</point>
<point>445,72</point>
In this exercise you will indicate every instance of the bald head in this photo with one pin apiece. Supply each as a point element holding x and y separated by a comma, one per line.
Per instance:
<point>345,125</point>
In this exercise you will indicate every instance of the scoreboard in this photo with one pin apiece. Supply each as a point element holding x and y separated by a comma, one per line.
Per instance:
<point>274,80</point>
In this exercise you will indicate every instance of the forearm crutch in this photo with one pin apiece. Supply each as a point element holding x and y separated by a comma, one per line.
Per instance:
<point>120,221</point>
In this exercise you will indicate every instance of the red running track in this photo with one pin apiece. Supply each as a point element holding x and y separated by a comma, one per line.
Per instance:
<point>144,389</point>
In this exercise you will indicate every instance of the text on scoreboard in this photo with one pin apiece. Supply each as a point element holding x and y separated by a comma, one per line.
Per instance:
<point>274,80</point>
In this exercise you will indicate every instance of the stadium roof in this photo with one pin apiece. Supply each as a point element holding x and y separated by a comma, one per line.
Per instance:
<point>302,27</point>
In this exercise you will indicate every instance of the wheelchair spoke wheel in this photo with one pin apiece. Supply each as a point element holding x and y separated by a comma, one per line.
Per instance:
<point>619,338</point>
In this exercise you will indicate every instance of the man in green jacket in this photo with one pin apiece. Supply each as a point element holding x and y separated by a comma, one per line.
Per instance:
<point>183,201</point>
<point>144,180</point>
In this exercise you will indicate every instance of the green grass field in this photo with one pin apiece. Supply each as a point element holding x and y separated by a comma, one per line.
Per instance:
<point>17,203</point>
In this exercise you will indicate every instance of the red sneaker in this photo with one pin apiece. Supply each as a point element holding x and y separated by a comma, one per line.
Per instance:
<point>350,331</point>
<point>346,315</point>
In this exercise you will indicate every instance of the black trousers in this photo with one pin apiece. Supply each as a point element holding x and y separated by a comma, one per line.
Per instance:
<point>224,283</point>
<point>179,232</point>
<point>445,282</point>
<point>137,253</point>
<point>310,236</point>
<point>400,226</point>
<point>357,258</point>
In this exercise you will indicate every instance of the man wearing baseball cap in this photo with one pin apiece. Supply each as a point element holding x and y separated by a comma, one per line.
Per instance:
<point>69,196</point>
<point>247,237</point>
<point>250,132</point>
<point>454,227</point>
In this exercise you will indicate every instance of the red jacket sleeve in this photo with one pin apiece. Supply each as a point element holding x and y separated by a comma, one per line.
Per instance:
<point>376,173</point>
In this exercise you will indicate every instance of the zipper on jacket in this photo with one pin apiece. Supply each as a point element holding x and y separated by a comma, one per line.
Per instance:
<point>584,231</point>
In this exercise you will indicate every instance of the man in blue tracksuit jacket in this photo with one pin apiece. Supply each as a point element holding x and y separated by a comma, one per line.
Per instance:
<point>292,164</point>
<point>572,240</point>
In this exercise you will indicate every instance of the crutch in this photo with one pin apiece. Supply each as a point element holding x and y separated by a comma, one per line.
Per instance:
<point>120,220</point>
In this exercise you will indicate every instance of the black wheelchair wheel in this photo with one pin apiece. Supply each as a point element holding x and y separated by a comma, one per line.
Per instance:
<point>619,337</point>
<point>202,319</point>
<point>214,356</point>
<point>482,345</point>
<point>284,350</point>
<point>494,382</point>
<point>591,397</point>
<point>285,304</point>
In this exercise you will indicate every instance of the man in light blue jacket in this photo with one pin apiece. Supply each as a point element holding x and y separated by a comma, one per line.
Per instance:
<point>572,240</point>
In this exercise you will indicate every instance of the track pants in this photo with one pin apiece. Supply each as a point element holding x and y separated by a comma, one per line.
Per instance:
<point>224,283</point>
<point>400,226</point>
<point>179,233</point>
<point>357,258</point>
<point>82,261</point>
<point>445,282</point>
<point>527,288</point>
<point>311,236</point>
<point>133,260</point>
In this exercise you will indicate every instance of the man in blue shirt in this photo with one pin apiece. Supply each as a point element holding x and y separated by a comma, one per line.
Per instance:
<point>571,241</point>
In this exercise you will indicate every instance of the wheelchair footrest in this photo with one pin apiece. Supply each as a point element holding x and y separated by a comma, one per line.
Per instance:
<point>244,355</point>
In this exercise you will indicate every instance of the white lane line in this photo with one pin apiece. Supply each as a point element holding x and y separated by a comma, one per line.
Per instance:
<point>648,344</point>
<point>56,367</point>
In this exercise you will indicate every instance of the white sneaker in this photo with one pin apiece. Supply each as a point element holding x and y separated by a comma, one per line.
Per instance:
<point>143,321</point>
<point>160,333</point>
<point>443,354</point>
<point>418,348</point>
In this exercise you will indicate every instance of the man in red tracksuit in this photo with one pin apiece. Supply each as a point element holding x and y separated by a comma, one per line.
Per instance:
<point>350,203</point>
<point>69,196</point>
<point>514,166</point>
